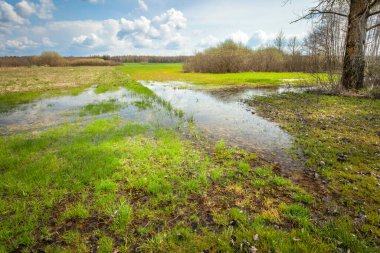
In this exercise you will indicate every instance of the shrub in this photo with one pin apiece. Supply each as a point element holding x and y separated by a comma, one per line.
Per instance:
<point>49,58</point>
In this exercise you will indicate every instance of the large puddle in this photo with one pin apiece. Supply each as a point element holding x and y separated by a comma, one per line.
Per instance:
<point>218,114</point>
<point>59,110</point>
<point>222,114</point>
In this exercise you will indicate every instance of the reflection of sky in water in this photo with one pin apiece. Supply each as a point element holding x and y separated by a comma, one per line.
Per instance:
<point>58,110</point>
<point>220,113</point>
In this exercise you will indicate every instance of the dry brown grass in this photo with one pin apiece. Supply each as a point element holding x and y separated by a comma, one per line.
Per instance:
<point>25,79</point>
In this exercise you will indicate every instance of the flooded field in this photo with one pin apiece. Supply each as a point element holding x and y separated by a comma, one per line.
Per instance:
<point>124,161</point>
<point>77,108</point>
<point>217,114</point>
<point>222,114</point>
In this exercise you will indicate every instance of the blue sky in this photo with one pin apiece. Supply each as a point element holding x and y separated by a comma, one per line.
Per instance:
<point>154,27</point>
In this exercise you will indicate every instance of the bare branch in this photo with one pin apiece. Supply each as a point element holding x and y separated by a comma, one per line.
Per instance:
<point>373,13</point>
<point>374,2</point>
<point>316,11</point>
<point>373,27</point>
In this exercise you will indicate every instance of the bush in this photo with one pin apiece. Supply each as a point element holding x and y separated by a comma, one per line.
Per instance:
<point>231,57</point>
<point>227,57</point>
<point>49,58</point>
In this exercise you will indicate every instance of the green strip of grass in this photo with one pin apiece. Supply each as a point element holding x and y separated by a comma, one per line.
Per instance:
<point>173,72</point>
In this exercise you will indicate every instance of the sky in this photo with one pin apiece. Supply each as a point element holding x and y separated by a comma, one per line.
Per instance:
<point>143,27</point>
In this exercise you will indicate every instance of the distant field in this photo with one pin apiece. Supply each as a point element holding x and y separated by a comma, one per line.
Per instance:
<point>173,72</point>
<point>24,79</point>
<point>21,85</point>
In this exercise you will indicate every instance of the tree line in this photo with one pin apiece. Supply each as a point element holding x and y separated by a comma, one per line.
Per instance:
<point>53,59</point>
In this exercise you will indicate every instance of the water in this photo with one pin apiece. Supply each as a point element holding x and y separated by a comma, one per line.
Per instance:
<point>222,114</point>
<point>219,114</point>
<point>59,110</point>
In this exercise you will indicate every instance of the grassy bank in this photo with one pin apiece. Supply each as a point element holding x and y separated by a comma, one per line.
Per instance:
<point>341,140</point>
<point>173,72</point>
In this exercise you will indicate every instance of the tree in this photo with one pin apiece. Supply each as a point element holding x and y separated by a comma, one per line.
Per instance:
<point>279,41</point>
<point>359,13</point>
<point>294,46</point>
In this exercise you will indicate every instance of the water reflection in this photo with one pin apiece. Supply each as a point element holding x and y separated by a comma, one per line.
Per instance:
<point>219,114</point>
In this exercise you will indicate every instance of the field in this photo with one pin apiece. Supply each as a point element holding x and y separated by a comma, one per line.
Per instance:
<point>173,72</point>
<point>100,182</point>
<point>24,84</point>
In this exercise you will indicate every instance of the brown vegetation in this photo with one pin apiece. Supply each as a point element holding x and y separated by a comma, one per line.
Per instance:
<point>53,59</point>
<point>231,57</point>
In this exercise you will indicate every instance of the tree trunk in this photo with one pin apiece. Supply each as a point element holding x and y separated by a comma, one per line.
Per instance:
<point>354,62</point>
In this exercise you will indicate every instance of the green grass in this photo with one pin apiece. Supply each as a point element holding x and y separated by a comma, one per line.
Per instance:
<point>340,138</point>
<point>101,107</point>
<point>173,72</point>
<point>122,185</point>
<point>112,185</point>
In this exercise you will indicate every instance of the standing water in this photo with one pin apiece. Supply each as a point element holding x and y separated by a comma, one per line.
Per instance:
<point>218,113</point>
<point>222,114</point>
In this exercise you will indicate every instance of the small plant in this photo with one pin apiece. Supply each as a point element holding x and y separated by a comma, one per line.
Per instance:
<point>78,211</point>
<point>105,244</point>
<point>303,197</point>
<point>123,217</point>
<point>297,213</point>
<point>106,186</point>
<point>143,105</point>
<point>244,168</point>
<point>101,107</point>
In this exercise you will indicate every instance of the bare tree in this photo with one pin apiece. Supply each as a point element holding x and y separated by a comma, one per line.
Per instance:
<point>279,41</point>
<point>294,46</point>
<point>358,15</point>
<point>294,49</point>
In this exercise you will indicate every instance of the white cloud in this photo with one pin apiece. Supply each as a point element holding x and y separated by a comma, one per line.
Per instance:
<point>176,42</point>
<point>92,1</point>
<point>142,5</point>
<point>8,15</point>
<point>25,8</point>
<point>172,19</point>
<point>20,44</point>
<point>90,41</point>
<point>12,17</point>
<point>260,38</point>
<point>209,41</point>
<point>140,41</point>
<point>158,35</point>
<point>47,42</point>
<point>45,9</point>
<point>239,37</point>
<point>142,31</point>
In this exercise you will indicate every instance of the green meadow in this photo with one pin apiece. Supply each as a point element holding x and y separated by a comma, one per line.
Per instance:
<point>116,185</point>
<point>173,72</point>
